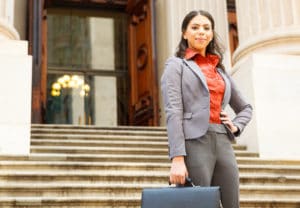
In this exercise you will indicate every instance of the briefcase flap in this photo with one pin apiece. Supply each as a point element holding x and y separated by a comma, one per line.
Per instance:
<point>183,197</point>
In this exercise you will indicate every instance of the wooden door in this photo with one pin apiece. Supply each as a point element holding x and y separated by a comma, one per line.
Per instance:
<point>37,35</point>
<point>143,89</point>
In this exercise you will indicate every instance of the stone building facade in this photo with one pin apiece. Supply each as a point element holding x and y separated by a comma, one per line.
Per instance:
<point>265,66</point>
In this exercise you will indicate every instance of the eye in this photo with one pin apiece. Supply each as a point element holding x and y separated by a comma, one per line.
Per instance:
<point>194,27</point>
<point>206,28</point>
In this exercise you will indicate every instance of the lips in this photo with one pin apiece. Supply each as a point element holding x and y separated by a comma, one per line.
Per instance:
<point>200,39</point>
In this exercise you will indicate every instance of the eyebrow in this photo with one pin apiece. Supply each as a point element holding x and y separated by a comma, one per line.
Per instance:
<point>206,24</point>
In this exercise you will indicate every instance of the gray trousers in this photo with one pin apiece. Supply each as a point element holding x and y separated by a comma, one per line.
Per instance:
<point>211,161</point>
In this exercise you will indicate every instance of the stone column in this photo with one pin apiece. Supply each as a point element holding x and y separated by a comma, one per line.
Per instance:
<point>15,85</point>
<point>169,16</point>
<point>266,66</point>
<point>7,30</point>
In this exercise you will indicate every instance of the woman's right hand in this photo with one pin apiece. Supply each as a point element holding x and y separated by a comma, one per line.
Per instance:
<point>178,171</point>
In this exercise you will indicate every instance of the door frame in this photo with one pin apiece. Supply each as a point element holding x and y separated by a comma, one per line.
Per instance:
<point>144,105</point>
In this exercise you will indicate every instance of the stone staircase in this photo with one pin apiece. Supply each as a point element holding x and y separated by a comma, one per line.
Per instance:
<point>84,166</point>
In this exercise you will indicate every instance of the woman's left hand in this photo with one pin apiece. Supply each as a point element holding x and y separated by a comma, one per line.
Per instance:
<point>227,121</point>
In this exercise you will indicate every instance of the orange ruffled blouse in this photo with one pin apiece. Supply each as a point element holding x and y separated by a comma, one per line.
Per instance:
<point>215,82</point>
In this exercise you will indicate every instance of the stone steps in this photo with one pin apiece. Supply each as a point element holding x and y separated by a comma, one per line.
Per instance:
<point>115,150</point>
<point>107,143</point>
<point>128,132</point>
<point>92,127</point>
<point>87,157</point>
<point>258,202</point>
<point>123,138</point>
<point>293,170</point>
<point>132,202</point>
<point>130,158</point>
<point>126,189</point>
<point>89,166</point>
<point>120,176</point>
<point>74,202</point>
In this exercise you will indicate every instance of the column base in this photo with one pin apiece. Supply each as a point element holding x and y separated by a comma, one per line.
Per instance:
<point>271,82</point>
<point>15,99</point>
<point>15,139</point>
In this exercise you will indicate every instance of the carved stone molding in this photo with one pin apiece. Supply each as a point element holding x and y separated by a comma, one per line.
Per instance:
<point>275,41</point>
<point>7,31</point>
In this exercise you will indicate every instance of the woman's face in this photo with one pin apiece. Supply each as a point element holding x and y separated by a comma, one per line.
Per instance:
<point>199,33</point>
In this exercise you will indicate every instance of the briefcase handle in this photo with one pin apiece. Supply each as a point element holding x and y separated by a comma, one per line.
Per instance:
<point>188,180</point>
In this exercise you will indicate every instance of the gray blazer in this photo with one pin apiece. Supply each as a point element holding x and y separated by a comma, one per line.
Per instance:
<point>187,103</point>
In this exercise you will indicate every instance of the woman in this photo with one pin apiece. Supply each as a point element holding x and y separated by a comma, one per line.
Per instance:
<point>195,90</point>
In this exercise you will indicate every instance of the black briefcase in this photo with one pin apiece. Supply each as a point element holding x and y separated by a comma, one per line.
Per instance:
<point>181,197</point>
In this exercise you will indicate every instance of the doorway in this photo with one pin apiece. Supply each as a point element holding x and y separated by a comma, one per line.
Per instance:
<point>87,69</point>
<point>94,62</point>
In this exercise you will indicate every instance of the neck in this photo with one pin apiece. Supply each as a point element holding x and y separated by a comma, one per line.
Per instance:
<point>202,52</point>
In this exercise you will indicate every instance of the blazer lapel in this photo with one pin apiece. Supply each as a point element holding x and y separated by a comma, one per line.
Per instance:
<point>227,92</point>
<point>197,70</point>
<point>194,67</point>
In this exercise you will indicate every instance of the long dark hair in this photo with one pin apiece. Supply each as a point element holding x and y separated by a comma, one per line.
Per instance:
<point>214,47</point>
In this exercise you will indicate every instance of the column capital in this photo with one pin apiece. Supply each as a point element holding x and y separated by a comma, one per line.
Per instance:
<point>267,26</point>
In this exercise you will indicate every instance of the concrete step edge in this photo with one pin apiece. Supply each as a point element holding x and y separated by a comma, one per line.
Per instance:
<point>128,198</point>
<point>128,201</point>
<point>80,185</point>
<point>70,126</point>
<point>116,151</point>
<point>37,147</point>
<point>269,187</point>
<point>115,173</point>
<point>128,185</point>
<point>98,131</point>
<point>66,157</point>
<point>276,167</point>
<point>86,157</point>
<point>269,161</point>
<point>107,141</point>
<point>83,142</point>
<point>270,200</point>
<point>124,158</point>
<point>162,149</point>
<point>71,163</point>
<point>99,137</point>
<point>84,173</point>
<point>138,167</point>
<point>129,164</point>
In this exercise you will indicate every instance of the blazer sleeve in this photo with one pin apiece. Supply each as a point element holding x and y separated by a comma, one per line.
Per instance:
<point>241,107</point>
<point>172,97</point>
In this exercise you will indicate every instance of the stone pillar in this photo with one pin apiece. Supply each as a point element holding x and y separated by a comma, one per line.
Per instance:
<point>15,85</point>
<point>266,66</point>
<point>7,30</point>
<point>169,16</point>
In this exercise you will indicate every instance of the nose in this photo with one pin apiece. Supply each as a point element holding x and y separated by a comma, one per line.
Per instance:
<point>201,30</point>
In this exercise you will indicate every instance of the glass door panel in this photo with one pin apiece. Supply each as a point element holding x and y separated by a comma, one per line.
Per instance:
<point>87,68</point>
